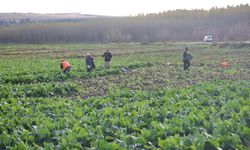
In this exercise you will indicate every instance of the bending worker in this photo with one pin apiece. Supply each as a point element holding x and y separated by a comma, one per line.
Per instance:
<point>65,66</point>
<point>90,62</point>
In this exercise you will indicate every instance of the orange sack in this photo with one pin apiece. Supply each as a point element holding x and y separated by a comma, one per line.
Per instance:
<point>224,64</point>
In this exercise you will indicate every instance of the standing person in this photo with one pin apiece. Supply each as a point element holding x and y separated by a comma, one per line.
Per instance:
<point>65,66</point>
<point>186,59</point>
<point>89,62</point>
<point>107,58</point>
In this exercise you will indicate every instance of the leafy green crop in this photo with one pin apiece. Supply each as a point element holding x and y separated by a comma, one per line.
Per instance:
<point>190,118</point>
<point>145,101</point>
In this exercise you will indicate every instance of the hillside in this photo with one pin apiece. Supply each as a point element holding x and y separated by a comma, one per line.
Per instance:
<point>10,18</point>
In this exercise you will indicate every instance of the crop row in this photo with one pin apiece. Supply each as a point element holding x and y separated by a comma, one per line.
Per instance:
<point>58,76</point>
<point>37,90</point>
<point>205,116</point>
<point>21,71</point>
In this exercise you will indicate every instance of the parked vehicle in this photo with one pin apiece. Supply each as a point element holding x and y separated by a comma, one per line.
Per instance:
<point>208,38</point>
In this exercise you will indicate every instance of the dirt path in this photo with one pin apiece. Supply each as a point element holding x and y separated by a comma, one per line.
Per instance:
<point>150,78</point>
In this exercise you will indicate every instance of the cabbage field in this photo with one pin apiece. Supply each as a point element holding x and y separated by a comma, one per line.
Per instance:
<point>144,101</point>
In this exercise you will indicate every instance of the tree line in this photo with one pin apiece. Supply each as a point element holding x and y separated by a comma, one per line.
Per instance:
<point>225,24</point>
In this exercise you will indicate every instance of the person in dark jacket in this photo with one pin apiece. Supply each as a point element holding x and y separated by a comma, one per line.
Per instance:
<point>89,62</point>
<point>186,59</point>
<point>107,58</point>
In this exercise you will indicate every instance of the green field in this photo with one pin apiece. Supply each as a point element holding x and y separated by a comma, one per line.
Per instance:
<point>152,105</point>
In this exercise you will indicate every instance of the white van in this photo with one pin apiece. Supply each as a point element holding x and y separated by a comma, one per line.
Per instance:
<point>208,38</point>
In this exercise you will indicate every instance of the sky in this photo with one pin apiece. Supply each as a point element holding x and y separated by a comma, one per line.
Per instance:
<point>110,7</point>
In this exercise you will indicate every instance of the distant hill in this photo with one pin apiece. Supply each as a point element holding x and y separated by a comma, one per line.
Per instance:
<point>10,18</point>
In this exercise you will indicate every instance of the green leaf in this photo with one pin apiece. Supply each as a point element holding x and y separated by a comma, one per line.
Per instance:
<point>78,113</point>
<point>83,133</point>
<point>49,124</point>
<point>171,143</point>
<point>21,146</point>
<point>43,132</point>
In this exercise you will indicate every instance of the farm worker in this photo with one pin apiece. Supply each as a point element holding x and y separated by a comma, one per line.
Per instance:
<point>107,58</point>
<point>65,66</point>
<point>186,59</point>
<point>89,62</point>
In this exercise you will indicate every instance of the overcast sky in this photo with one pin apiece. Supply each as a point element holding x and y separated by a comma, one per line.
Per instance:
<point>110,7</point>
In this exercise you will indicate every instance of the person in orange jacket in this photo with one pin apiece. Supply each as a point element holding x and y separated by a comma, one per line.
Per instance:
<point>65,66</point>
